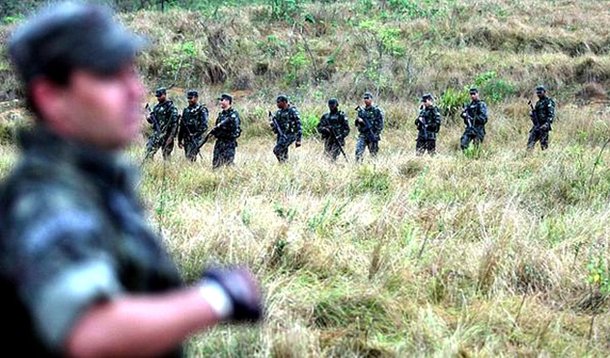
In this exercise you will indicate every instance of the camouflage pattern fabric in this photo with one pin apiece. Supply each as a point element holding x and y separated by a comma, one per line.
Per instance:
<point>475,124</point>
<point>337,123</point>
<point>428,124</point>
<point>545,113</point>
<point>289,121</point>
<point>193,125</point>
<point>164,131</point>
<point>369,138</point>
<point>224,152</point>
<point>73,234</point>
<point>226,131</point>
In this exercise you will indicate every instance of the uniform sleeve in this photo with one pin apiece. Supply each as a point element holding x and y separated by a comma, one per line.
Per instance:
<point>61,265</point>
<point>380,120</point>
<point>322,124</point>
<point>344,125</point>
<point>297,122</point>
<point>204,119</point>
<point>182,131</point>
<point>482,115</point>
<point>173,121</point>
<point>437,119</point>
<point>551,111</point>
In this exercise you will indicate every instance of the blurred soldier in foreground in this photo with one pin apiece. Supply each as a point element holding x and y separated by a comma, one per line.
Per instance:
<point>542,116</point>
<point>164,121</point>
<point>370,124</point>
<point>334,128</point>
<point>82,273</point>
<point>428,124</point>
<point>226,131</point>
<point>475,118</point>
<point>286,123</point>
<point>193,124</point>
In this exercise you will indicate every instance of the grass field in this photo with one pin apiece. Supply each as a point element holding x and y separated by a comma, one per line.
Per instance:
<point>497,252</point>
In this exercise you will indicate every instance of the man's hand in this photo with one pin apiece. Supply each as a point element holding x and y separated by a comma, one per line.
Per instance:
<point>233,294</point>
<point>297,143</point>
<point>169,141</point>
<point>180,145</point>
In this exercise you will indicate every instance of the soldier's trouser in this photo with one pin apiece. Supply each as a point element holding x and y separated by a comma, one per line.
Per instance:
<point>473,135</point>
<point>422,145</point>
<point>538,134</point>
<point>191,147</point>
<point>224,152</point>
<point>156,141</point>
<point>363,143</point>
<point>281,146</point>
<point>332,148</point>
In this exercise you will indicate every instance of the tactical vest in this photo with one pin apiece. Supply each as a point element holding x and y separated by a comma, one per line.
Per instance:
<point>288,120</point>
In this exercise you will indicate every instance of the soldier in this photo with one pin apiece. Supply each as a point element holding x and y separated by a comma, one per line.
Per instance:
<point>370,124</point>
<point>164,120</point>
<point>428,124</point>
<point>475,118</point>
<point>193,124</point>
<point>286,123</point>
<point>334,128</point>
<point>542,116</point>
<point>226,131</point>
<point>83,274</point>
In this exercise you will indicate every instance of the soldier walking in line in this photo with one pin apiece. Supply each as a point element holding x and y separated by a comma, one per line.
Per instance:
<point>475,118</point>
<point>428,124</point>
<point>542,116</point>
<point>370,125</point>
<point>193,124</point>
<point>334,128</point>
<point>286,123</point>
<point>226,131</point>
<point>164,120</point>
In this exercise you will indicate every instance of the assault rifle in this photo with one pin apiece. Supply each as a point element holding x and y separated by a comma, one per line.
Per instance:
<point>152,118</point>
<point>534,115</point>
<point>276,125</point>
<point>467,117</point>
<point>420,119</point>
<point>338,141</point>
<point>212,132</point>
<point>368,128</point>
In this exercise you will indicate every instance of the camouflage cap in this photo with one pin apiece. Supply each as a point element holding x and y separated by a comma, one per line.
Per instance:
<point>68,36</point>
<point>540,89</point>
<point>160,91</point>
<point>473,90</point>
<point>426,97</point>
<point>225,96</point>
<point>367,95</point>
<point>333,101</point>
<point>192,93</point>
<point>282,98</point>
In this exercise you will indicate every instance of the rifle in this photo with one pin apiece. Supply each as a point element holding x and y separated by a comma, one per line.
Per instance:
<point>465,115</point>
<point>534,115</point>
<point>211,132</point>
<point>368,127</point>
<point>153,118</point>
<point>338,141</point>
<point>276,125</point>
<point>420,120</point>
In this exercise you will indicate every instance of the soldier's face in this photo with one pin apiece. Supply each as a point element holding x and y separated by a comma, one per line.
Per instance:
<point>281,104</point>
<point>224,103</point>
<point>540,94</point>
<point>192,100</point>
<point>161,98</point>
<point>474,96</point>
<point>104,111</point>
<point>428,103</point>
<point>332,107</point>
<point>368,101</point>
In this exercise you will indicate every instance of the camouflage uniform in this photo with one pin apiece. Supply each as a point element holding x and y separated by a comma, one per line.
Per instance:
<point>164,130</point>
<point>475,118</point>
<point>193,124</point>
<point>334,128</point>
<point>545,114</point>
<point>369,137</point>
<point>428,125</point>
<point>226,131</point>
<point>289,121</point>
<point>73,234</point>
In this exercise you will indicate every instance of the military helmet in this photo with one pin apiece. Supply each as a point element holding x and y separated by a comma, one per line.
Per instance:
<point>282,98</point>
<point>367,95</point>
<point>540,89</point>
<point>192,93</point>
<point>68,36</point>
<point>160,91</point>
<point>333,101</point>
